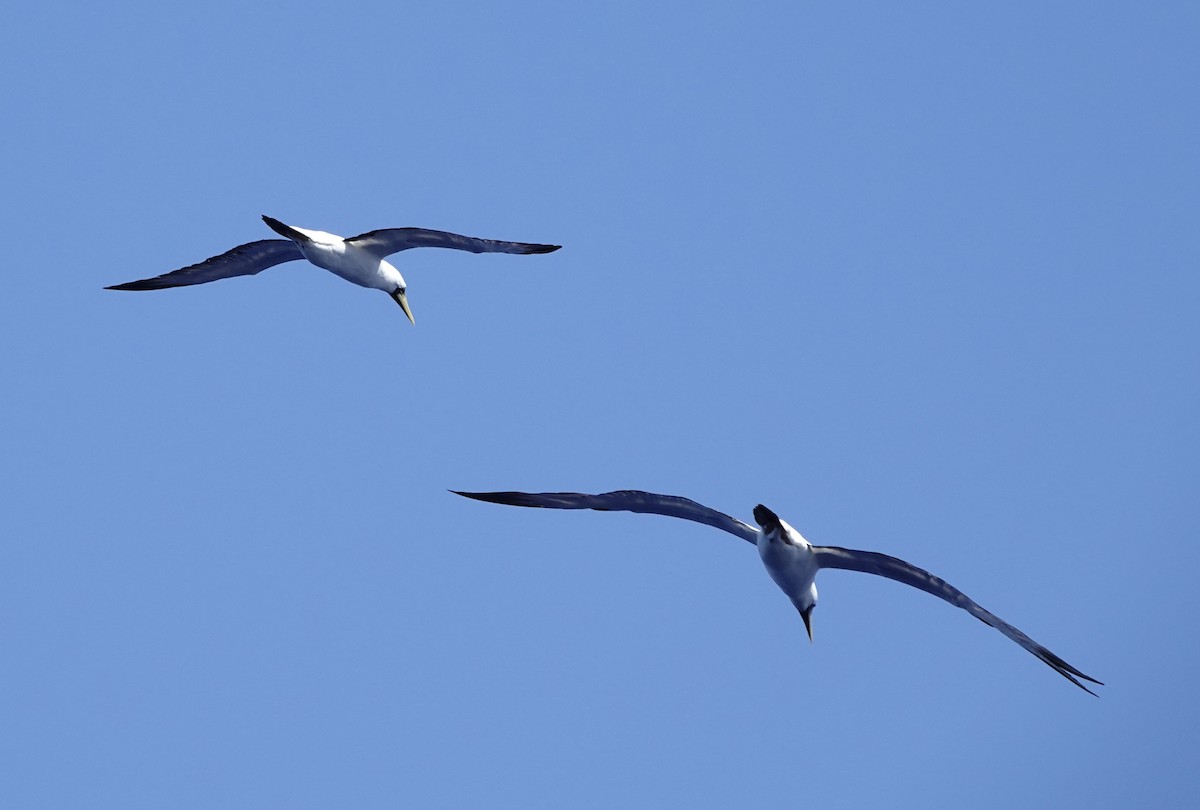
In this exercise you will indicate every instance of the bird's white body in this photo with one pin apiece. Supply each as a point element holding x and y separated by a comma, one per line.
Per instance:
<point>790,562</point>
<point>349,261</point>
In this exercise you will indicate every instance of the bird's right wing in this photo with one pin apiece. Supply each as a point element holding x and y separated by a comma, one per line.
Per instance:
<point>870,562</point>
<point>243,260</point>
<point>387,241</point>
<point>625,500</point>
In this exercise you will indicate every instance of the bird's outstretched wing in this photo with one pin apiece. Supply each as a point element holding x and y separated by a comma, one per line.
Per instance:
<point>625,500</point>
<point>392,240</point>
<point>243,260</point>
<point>882,565</point>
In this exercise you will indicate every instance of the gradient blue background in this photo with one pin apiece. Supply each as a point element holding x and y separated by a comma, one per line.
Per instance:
<point>922,277</point>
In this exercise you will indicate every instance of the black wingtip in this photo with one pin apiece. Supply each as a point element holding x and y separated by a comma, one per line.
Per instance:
<point>133,285</point>
<point>475,496</point>
<point>504,498</point>
<point>545,248</point>
<point>1066,670</point>
<point>490,497</point>
<point>1084,688</point>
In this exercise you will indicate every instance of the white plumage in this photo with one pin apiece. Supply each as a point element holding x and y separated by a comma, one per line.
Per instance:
<point>791,560</point>
<point>358,259</point>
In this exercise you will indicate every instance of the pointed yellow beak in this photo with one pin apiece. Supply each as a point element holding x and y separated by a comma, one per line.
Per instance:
<point>402,300</point>
<point>807,616</point>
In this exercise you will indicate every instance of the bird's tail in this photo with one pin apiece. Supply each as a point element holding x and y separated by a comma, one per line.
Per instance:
<point>766,518</point>
<point>284,230</point>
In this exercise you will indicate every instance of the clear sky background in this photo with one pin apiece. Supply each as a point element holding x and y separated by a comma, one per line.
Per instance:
<point>921,277</point>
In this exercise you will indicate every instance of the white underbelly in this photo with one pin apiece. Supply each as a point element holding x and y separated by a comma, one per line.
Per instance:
<point>793,569</point>
<point>357,268</point>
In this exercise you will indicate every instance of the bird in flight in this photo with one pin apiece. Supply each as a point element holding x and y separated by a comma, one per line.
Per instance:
<point>359,259</point>
<point>791,560</point>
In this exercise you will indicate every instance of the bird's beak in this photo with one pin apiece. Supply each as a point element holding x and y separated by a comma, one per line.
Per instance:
<point>402,300</point>
<point>807,616</point>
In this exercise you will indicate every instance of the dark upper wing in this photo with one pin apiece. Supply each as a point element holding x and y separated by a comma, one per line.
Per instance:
<point>391,240</point>
<point>243,260</point>
<point>626,500</point>
<point>881,564</point>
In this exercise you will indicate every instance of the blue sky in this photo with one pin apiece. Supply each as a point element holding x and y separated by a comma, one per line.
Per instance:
<point>920,277</point>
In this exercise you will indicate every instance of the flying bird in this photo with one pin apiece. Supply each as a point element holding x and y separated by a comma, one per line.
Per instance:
<point>791,560</point>
<point>360,259</point>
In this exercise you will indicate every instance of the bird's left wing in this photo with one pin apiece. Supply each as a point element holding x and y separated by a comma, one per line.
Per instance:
<point>625,500</point>
<point>392,240</point>
<point>882,565</point>
<point>243,260</point>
